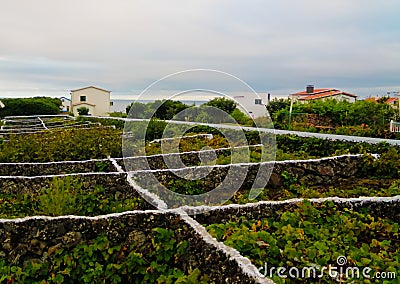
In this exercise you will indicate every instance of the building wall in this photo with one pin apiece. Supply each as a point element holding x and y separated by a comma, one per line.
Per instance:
<point>92,109</point>
<point>340,97</point>
<point>98,98</point>
<point>66,104</point>
<point>247,104</point>
<point>343,97</point>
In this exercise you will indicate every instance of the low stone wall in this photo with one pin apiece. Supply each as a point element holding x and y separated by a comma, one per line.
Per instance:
<point>7,133</point>
<point>37,238</point>
<point>115,184</point>
<point>10,131</point>
<point>19,126</point>
<point>28,122</point>
<point>317,171</point>
<point>385,207</point>
<point>54,168</point>
<point>323,171</point>
<point>178,160</point>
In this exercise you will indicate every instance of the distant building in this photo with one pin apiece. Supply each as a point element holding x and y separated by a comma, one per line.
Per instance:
<point>311,94</point>
<point>97,100</point>
<point>1,104</point>
<point>252,104</point>
<point>390,101</point>
<point>66,105</point>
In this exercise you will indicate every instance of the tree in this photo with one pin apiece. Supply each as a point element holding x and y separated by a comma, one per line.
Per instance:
<point>155,129</point>
<point>223,104</point>
<point>83,111</point>
<point>30,106</point>
<point>136,110</point>
<point>336,111</point>
<point>241,118</point>
<point>167,109</point>
<point>276,105</point>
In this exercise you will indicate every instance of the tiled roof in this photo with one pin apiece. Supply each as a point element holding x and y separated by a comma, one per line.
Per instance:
<point>388,101</point>
<point>320,93</point>
<point>325,94</point>
<point>391,100</point>
<point>316,91</point>
<point>375,100</point>
<point>89,88</point>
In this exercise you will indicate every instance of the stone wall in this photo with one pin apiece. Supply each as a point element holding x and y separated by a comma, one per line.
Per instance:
<point>324,171</point>
<point>385,207</point>
<point>36,239</point>
<point>115,184</point>
<point>188,159</point>
<point>53,168</point>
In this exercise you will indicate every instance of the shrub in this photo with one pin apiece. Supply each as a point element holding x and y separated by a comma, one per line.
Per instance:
<point>61,197</point>
<point>118,114</point>
<point>83,111</point>
<point>387,166</point>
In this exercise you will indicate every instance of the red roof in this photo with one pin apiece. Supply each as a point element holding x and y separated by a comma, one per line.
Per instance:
<point>321,93</point>
<point>391,100</point>
<point>388,101</point>
<point>375,100</point>
<point>316,91</point>
<point>325,94</point>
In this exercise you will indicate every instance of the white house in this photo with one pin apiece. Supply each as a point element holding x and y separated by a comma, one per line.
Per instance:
<point>252,104</point>
<point>97,100</point>
<point>66,104</point>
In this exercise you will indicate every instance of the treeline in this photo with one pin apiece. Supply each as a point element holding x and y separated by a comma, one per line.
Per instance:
<point>362,118</point>
<point>30,106</point>
<point>218,110</point>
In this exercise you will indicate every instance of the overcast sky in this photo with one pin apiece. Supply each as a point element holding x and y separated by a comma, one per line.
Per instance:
<point>48,47</point>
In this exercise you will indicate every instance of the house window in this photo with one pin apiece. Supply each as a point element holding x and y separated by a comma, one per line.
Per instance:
<point>111,103</point>
<point>68,108</point>
<point>83,98</point>
<point>258,101</point>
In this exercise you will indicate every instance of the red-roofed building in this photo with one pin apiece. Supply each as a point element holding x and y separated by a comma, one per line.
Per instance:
<point>311,94</point>
<point>390,101</point>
